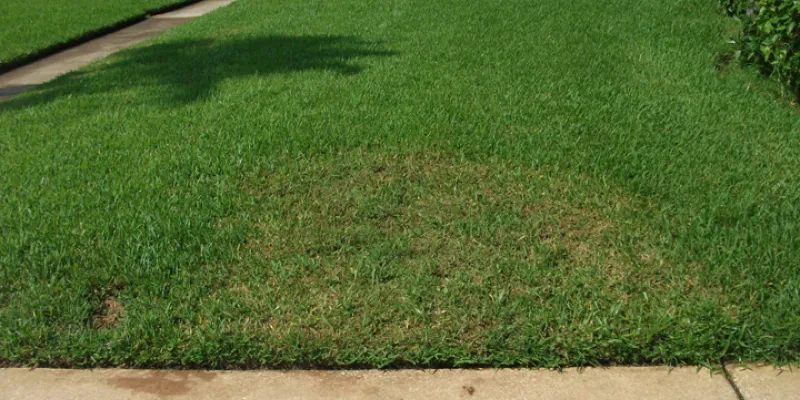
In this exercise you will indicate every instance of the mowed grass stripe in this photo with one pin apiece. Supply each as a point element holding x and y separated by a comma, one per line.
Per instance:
<point>405,183</point>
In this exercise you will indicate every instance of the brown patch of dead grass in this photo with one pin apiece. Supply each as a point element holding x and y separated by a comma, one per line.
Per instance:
<point>112,311</point>
<point>453,221</point>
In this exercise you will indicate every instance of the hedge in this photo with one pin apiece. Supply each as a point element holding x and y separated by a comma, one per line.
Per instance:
<point>771,38</point>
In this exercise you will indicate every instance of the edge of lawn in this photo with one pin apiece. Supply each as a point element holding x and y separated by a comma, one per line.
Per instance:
<point>20,61</point>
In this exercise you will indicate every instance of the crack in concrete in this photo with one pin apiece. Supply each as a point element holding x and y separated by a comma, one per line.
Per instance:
<point>731,382</point>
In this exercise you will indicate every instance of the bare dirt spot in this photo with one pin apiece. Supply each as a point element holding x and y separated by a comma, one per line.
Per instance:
<point>110,314</point>
<point>163,383</point>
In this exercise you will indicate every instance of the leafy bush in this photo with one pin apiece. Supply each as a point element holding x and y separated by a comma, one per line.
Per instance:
<point>738,7</point>
<point>771,37</point>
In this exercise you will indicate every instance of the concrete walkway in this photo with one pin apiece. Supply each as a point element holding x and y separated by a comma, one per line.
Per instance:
<point>18,80</point>
<point>619,383</point>
<point>766,382</point>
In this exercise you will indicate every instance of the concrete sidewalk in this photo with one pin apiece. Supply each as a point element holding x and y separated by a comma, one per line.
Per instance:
<point>599,384</point>
<point>765,382</point>
<point>618,383</point>
<point>23,78</point>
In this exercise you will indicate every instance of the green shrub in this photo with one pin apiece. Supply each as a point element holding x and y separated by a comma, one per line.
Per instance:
<point>738,7</point>
<point>771,37</point>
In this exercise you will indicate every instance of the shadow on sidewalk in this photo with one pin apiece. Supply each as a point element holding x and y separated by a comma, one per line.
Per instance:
<point>190,70</point>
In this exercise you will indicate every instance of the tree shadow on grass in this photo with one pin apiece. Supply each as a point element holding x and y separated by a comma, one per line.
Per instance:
<point>189,70</point>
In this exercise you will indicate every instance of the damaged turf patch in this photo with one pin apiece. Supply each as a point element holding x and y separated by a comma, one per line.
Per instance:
<point>111,311</point>
<point>442,212</point>
<point>413,252</point>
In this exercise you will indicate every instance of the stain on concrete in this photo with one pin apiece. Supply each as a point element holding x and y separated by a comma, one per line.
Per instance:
<point>469,389</point>
<point>339,384</point>
<point>372,391</point>
<point>162,383</point>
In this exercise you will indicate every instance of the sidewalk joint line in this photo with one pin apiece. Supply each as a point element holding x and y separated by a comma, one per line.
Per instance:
<point>728,376</point>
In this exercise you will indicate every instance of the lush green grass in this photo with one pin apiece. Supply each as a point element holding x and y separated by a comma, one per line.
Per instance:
<point>30,26</point>
<point>406,182</point>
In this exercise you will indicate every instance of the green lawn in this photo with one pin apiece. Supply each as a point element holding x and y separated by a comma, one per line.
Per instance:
<point>30,26</point>
<point>383,183</point>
